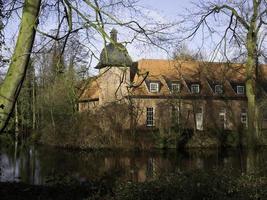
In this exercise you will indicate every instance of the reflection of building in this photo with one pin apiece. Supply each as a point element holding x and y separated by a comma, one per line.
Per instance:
<point>191,94</point>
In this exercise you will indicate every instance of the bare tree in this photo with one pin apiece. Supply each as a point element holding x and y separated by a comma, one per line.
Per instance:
<point>91,19</point>
<point>184,53</point>
<point>1,34</point>
<point>235,25</point>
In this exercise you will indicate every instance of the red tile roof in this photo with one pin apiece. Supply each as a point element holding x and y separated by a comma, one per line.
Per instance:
<point>207,74</point>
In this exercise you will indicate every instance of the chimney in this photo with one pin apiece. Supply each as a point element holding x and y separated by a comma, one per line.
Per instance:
<point>113,35</point>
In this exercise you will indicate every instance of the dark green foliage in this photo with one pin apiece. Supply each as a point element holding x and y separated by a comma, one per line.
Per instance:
<point>25,101</point>
<point>196,185</point>
<point>6,140</point>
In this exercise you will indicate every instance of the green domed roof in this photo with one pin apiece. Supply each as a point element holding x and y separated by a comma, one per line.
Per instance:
<point>114,54</point>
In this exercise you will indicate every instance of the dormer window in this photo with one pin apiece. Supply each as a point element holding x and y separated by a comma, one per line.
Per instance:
<point>218,89</point>
<point>240,89</point>
<point>195,88</point>
<point>154,87</point>
<point>175,87</point>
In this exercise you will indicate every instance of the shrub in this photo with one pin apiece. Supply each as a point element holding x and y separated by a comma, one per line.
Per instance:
<point>196,185</point>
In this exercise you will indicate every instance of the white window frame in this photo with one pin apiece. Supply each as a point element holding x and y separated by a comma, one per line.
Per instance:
<point>244,114</point>
<point>153,87</point>
<point>195,86</point>
<point>150,115</point>
<point>199,115</point>
<point>175,87</point>
<point>239,87</point>
<point>220,91</point>
<point>222,113</point>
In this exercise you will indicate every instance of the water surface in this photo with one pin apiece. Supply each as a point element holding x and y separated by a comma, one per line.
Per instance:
<point>40,164</point>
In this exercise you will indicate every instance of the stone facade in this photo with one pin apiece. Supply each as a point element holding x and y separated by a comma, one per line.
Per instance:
<point>113,83</point>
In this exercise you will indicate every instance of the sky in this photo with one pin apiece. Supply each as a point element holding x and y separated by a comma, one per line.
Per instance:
<point>162,10</point>
<point>167,10</point>
<point>168,7</point>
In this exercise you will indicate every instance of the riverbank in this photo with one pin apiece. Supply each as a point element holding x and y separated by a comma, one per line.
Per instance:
<point>21,191</point>
<point>187,186</point>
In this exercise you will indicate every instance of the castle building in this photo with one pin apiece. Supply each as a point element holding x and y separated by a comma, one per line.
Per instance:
<point>165,93</point>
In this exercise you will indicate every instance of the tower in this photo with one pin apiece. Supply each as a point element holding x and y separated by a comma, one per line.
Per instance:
<point>114,71</point>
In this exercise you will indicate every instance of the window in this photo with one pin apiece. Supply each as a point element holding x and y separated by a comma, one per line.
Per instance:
<point>240,89</point>
<point>244,117</point>
<point>175,115</point>
<point>175,87</point>
<point>218,89</point>
<point>149,117</point>
<point>195,88</point>
<point>153,87</point>
<point>222,118</point>
<point>199,119</point>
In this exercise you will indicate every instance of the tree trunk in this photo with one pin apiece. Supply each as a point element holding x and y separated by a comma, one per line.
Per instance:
<point>33,102</point>
<point>251,112</point>
<point>253,128</point>
<point>251,69</point>
<point>11,86</point>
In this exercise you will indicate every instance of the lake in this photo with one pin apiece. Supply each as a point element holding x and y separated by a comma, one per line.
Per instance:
<point>43,164</point>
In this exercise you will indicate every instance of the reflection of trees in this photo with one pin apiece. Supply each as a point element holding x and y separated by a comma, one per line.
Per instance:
<point>17,163</point>
<point>34,165</point>
<point>94,165</point>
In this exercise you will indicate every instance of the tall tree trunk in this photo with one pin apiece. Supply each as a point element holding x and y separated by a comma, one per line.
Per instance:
<point>33,101</point>
<point>11,86</point>
<point>251,42</point>
<point>33,107</point>
<point>251,112</point>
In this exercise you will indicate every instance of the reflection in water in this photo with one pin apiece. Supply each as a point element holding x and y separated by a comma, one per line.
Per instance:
<point>35,164</point>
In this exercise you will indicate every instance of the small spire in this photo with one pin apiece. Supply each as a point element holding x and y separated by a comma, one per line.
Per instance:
<point>113,34</point>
